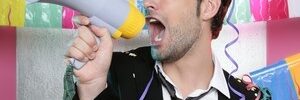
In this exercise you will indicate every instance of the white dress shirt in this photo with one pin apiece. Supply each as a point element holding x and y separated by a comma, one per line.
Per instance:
<point>218,82</point>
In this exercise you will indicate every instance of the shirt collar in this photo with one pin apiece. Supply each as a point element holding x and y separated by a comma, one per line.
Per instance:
<point>218,80</point>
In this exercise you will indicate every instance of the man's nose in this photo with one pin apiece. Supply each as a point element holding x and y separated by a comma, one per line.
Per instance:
<point>150,4</point>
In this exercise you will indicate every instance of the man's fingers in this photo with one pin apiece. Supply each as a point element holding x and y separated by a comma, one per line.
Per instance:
<point>77,54</point>
<point>101,32</point>
<point>87,36</point>
<point>82,46</point>
<point>85,47</point>
<point>81,20</point>
<point>105,37</point>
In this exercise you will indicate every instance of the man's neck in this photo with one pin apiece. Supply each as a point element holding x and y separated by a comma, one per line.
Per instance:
<point>194,70</point>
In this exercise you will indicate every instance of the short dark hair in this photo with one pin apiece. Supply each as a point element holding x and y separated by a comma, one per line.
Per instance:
<point>217,21</point>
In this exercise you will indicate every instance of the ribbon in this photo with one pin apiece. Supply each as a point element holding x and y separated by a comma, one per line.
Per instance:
<point>147,87</point>
<point>227,54</point>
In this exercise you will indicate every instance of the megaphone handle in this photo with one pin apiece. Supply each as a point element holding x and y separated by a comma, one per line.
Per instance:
<point>98,22</point>
<point>76,64</point>
<point>115,33</point>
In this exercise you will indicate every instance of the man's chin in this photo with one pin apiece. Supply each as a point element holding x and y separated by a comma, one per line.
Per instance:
<point>157,56</point>
<point>155,53</point>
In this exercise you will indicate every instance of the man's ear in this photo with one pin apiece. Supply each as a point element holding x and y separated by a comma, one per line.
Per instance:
<point>209,8</point>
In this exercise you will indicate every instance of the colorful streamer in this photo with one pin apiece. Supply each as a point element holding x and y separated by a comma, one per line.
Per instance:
<point>227,54</point>
<point>241,13</point>
<point>263,10</point>
<point>67,16</point>
<point>43,15</point>
<point>47,15</point>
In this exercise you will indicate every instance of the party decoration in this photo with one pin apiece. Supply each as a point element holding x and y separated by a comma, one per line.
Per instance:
<point>241,13</point>
<point>12,12</point>
<point>281,78</point>
<point>282,38</point>
<point>8,63</point>
<point>67,16</point>
<point>43,15</point>
<point>263,10</point>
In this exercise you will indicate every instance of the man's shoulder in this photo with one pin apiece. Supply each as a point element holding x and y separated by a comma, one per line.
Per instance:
<point>141,53</point>
<point>239,88</point>
<point>136,57</point>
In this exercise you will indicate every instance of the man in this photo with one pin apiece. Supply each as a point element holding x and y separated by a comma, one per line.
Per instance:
<point>180,66</point>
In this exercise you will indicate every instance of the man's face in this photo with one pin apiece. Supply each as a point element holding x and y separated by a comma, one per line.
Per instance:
<point>176,24</point>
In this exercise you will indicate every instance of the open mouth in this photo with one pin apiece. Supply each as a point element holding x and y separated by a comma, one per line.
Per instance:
<point>156,29</point>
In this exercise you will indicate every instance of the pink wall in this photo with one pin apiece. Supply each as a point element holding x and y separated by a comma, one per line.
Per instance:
<point>8,63</point>
<point>283,39</point>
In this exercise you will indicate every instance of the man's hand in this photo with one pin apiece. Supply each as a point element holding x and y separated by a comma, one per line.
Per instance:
<point>93,75</point>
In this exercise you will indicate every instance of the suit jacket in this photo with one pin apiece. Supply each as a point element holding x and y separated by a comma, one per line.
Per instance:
<point>131,71</point>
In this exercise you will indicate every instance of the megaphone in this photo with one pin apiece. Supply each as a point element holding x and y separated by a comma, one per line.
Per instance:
<point>120,17</point>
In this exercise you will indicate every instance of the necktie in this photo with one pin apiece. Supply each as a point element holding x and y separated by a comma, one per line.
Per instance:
<point>170,88</point>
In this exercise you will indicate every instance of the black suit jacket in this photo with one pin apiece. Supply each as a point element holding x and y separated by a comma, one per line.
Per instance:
<point>130,72</point>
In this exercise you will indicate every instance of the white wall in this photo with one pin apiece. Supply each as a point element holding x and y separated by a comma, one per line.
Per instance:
<point>249,51</point>
<point>40,66</point>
